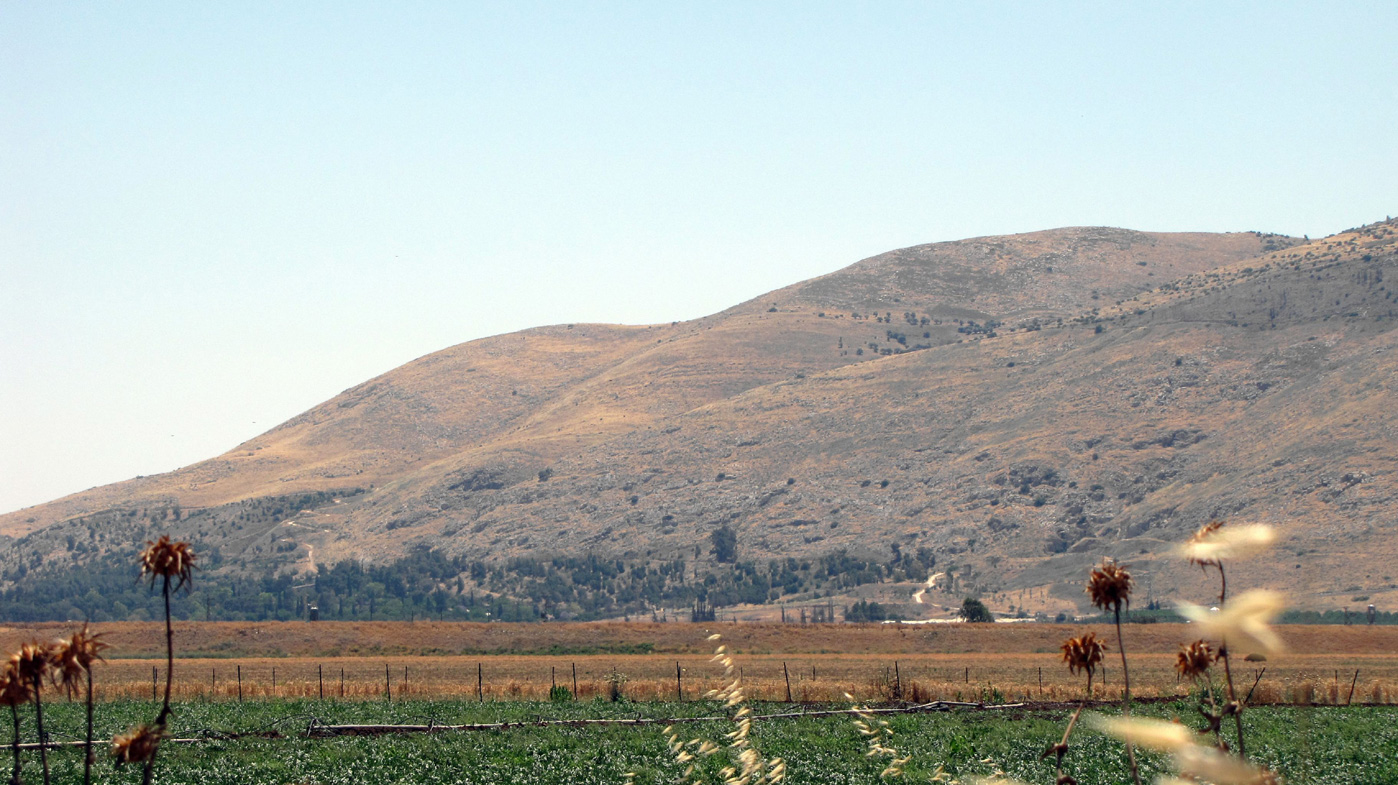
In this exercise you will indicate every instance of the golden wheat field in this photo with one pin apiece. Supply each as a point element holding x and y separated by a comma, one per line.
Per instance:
<point>998,663</point>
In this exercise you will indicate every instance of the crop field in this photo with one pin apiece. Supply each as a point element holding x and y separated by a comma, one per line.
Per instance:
<point>1311,745</point>
<point>573,703</point>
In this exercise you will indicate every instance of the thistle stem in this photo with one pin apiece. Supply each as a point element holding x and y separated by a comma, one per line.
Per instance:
<point>39,727</point>
<point>148,772</point>
<point>1227,670</point>
<point>169,654</point>
<point>1126,696</point>
<point>1063,745</point>
<point>87,750</point>
<point>14,778</point>
<point>1214,718</point>
<point>1233,698</point>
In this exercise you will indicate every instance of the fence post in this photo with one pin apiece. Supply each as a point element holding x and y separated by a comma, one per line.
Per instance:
<point>575,681</point>
<point>1041,681</point>
<point>480,684</point>
<point>342,682</point>
<point>897,682</point>
<point>679,685</point>
<point>968,675</point>
<point>553,678</point>
<point>387,684</point>
<point>787,675</point>
<point>274,682</point>
<point>320,677</point>
<point>404,692</point>
<point>213,681</point>
<point>1351,686</point>
<point>153,677</point>
<point>240,684</point>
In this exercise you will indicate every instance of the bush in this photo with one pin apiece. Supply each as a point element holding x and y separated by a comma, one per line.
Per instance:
<point>974,611</point>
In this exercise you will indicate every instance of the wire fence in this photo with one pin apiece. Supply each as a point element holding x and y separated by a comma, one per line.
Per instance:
<point>806,679</point>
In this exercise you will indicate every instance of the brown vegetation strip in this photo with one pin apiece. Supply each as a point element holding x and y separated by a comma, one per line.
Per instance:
<point>375,639</point>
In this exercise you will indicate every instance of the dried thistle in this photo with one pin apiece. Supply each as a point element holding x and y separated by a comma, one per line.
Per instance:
<point>14,691</point>
<point>1083,653</point>
<point>1196,549</point>
<point>74,656</point>
<point>137,745</point>
<point>1213,543</point>
<point>32,662</point>
<point>1109,586</point>
<point>1194,659</point>
<point>73,659</point>
<point>173,561</point>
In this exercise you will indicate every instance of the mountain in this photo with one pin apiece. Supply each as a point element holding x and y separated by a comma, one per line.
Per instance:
<point>1011,407</point>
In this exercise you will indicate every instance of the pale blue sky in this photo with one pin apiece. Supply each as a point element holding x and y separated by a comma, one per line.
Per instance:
<point>216,215</point>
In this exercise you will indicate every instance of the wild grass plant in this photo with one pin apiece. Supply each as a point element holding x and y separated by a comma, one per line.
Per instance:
<point>746,764</point>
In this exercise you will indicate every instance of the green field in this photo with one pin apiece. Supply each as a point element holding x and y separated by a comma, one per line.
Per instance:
<point>1310,745</point>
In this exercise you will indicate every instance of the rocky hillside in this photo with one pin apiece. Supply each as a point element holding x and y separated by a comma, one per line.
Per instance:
<point>1011,407</point>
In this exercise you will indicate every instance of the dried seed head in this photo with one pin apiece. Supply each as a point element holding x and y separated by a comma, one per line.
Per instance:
<point>32,662</point>
<point>1109,586</point>
<point>74,656</point>
<point>137,745</point>
<point>14,691</point>
<point>1213,543</point>
<point>1083,653</point>
<point>1194,659</point>
<point>173,561</point>
<point>1193,548</point>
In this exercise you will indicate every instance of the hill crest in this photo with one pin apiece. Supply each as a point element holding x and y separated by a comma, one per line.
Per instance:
<point>1016,407</point>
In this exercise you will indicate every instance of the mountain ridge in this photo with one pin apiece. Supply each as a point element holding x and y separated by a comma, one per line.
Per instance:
<point>1023,405</point>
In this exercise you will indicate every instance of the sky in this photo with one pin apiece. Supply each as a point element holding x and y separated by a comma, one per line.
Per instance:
<point>214,216</point>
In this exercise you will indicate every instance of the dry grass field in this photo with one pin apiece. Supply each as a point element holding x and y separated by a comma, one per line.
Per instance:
<point>822,662</point>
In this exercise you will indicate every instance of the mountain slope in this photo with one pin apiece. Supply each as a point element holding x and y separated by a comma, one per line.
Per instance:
<point>1192,376</point>
<point>528,397</point>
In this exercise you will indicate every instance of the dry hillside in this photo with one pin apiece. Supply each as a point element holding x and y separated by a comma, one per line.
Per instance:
<point>1018,406</point>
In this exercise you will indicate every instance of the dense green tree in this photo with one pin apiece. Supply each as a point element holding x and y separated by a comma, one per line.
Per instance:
<point>725,544</point>
<point>973,610</point>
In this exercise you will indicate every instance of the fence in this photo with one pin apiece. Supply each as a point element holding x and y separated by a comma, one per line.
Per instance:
<point>808,678</point>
